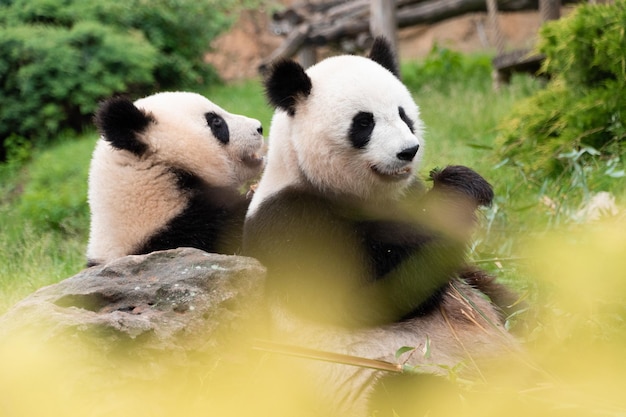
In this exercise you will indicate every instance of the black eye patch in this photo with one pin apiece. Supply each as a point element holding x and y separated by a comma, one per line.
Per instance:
<point>361,129</point>
<point>218,126</point>
<point>406,119</point>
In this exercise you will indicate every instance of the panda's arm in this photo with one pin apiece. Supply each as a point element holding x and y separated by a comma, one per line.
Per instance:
<point>414,265</point>
<point>415,259</point>
<point>452,201</point>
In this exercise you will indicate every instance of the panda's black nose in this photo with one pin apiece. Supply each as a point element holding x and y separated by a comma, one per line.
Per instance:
<point>260,130</point>
<point>408,154</point>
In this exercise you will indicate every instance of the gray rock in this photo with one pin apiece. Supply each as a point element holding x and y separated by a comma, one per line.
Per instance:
<point>162,335</point>
<point>176,300</point>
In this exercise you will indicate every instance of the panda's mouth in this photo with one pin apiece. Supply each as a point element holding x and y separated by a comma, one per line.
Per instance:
<point>397,174</point>
<point>253,160</point>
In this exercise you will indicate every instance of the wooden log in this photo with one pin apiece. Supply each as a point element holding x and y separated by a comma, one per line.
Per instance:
<point>433,11</point>
<point>521,60</point>
<point>383,21</point>
<point>422,12</point>
<point>288,48</point>
<point>331,21</point>
<point>549,9</point>
<point>307,56</point>
<point>492,10</point>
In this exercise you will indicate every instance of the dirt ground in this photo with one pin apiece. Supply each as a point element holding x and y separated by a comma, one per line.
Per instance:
<point>237,53</point>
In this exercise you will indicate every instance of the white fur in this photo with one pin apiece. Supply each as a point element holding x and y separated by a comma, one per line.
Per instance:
<point>131,197</point>
<point>313,145</point>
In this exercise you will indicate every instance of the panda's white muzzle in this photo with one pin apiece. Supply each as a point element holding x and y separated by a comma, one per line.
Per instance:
<point>396,174</point>
<point>253,160</point>
<point>400,168</point>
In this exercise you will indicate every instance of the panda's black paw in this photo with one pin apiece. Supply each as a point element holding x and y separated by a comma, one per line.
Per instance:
<point>464,180</point>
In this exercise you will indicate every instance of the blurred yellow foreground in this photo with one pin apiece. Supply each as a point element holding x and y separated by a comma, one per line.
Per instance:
<point>575,338</point>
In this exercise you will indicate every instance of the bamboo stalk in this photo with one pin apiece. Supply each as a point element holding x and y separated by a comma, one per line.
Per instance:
<point>340,358</point>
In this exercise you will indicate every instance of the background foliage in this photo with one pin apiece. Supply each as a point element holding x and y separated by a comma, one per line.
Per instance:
<point>60,57</point>
<point>444,68</point>
<point>573,129</point>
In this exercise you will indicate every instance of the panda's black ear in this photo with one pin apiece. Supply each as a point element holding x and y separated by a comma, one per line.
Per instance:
<point>285,84</point>
<point>382,53</point>
<point>120,122</point>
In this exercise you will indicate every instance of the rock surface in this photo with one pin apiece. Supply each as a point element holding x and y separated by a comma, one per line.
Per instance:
<point>162,335</point>
<point>181,299</point>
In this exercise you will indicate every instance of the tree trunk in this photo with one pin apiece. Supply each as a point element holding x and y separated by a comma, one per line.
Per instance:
<point>549,9</point>
<point>383,21</point>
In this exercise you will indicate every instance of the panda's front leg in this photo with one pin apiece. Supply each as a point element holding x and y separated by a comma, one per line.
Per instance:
<point>430,248</point>
<point>450,205</point>
<point>465,181</point>
<point>412,283</point>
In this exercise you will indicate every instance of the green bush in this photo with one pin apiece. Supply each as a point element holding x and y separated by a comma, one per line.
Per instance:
<point>60,57</point>
<point>444,67</point>
<point>180,30</point>
<point>588,47</point>
<point>577,120</point>
<point>53,77</point>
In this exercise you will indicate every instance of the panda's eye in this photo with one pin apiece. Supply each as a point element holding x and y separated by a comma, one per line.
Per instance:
<point>218,127</point>
<point>406,119</point>
<point>365,121</point>
<point>361,129</point>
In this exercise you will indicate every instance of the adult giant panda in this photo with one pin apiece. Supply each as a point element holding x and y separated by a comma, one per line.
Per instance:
<point>361,259</point>
<point>166,173</point>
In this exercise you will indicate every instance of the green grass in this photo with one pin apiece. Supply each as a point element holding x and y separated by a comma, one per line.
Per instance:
<point>44,214</point>
<point>462,125</point>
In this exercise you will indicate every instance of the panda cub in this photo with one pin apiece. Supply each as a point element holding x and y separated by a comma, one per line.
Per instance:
<point>167,172</point>
<point>361,258</point>
<point>338,216</point>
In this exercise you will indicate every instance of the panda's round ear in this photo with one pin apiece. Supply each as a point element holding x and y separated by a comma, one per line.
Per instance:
<point>119,122</point>
<point>382,53</point>
<point>285,84</point>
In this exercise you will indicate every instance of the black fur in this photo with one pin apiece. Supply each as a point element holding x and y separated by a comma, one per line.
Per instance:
<point>340,260</point>
<point>463,180</point>
<point>119,122</point>
<point>218,126</point>
<point>406,119</point>
<point>361,129</point>
<point>500,295</point>
<point>286,83</point>
<point>212,221</point>
<point>381,52</point>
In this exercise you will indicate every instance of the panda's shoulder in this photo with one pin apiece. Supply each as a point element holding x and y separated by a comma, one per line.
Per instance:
<point>295,214</point>
<point>293,200</point>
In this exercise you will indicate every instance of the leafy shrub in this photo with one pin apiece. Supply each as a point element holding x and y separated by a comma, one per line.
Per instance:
<point>444,67</point>
<point>53,77</point>
<point>580,112</point>
<point>60,57</point>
